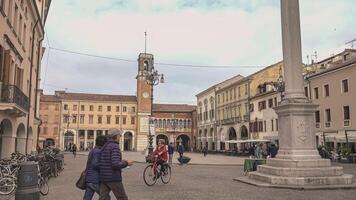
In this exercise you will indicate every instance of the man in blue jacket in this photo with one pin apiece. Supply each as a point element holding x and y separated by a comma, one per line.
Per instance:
<point>110,168</point>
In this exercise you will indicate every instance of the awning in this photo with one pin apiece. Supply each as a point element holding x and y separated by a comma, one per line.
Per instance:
<point>246,141</point>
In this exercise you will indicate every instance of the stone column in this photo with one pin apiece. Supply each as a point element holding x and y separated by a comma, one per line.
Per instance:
<point>298,164</point>
<point>94,137</point>
<point>85,139</point>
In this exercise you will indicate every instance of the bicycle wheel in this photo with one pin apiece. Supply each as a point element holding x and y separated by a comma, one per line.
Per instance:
<point>7,185</point>
<point>149,175</point>
<point>43,186</point>
<point>166,176</point>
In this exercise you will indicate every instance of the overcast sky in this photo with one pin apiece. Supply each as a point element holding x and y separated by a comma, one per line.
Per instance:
<point>241,33</point>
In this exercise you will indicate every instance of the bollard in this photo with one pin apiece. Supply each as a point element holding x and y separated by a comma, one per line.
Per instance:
<point>27,182</point>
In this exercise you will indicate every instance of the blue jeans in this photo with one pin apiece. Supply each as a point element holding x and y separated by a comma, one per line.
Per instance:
<point>90,191</point>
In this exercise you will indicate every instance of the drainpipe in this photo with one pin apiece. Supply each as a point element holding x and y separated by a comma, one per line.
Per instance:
<point>30,88</point>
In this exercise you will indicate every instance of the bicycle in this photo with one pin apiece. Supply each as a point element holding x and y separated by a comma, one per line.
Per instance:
<point>152,173</point>
<point>8,183</point>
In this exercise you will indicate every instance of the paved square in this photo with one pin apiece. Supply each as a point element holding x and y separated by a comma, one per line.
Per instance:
<point>206,182</point>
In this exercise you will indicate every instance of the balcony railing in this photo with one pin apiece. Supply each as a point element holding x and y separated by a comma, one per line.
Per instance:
<point>12,94</point>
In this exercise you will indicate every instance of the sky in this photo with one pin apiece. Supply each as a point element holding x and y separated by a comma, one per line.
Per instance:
<point>242,34</point>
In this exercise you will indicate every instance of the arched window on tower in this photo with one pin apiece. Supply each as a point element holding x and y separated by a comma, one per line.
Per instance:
<point>145,66</point>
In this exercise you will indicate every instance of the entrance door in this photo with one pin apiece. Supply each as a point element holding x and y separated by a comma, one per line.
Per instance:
<point>68,140</point>
<point>128,141</point>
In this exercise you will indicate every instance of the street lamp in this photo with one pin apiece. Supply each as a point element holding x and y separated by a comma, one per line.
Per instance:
<point>153,78</point>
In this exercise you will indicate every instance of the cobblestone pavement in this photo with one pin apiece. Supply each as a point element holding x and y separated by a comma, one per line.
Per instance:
<point>206,182</point>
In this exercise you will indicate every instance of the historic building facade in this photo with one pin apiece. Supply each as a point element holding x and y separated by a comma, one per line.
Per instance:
<point>22,31</point>
<point>232,111</point>
<point>264,96</point>
<point>50,120</point>
<point>174,123</point>
<point>332,88</point>
<point>206,119</point>
<point>85,116</point>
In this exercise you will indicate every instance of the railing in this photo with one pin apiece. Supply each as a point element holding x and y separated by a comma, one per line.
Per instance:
<point>12,94</point>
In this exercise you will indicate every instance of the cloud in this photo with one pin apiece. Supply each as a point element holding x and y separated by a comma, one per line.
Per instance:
<point>209,32</point>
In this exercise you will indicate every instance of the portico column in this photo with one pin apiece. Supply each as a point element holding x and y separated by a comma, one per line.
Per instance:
<point>94,137</point>
<point>85,139</point>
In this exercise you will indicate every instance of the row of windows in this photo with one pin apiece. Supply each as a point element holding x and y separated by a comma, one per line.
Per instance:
<point>272,102</point>
<point>231,94</point>
<point>99,119</point>
<point>346,114</point>
<point>261,126</point>
<point>206,115</point>
<point>326,89</point>
<point>173,123</point>
<point>17,22</point>
<point>100,108</point>
<point>226,113</point>
<point>44,131</point>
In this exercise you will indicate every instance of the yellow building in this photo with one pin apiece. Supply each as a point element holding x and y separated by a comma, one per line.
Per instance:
<point>232,111</point>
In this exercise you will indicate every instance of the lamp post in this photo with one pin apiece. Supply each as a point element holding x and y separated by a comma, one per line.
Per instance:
<point>153,78</point>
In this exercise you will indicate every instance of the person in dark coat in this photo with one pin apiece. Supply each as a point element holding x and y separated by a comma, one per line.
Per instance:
<point>273,150</point>
<point>170,152</point>
<point>205,151</point>
<point>180,150</point>
<point>92,173</point>
<point>74,150</point>
<point>110,168</point>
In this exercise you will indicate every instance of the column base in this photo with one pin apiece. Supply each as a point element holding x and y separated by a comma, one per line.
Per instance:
<point>299,174</point>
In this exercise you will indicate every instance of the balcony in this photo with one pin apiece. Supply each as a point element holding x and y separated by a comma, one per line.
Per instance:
<point>13,101</point>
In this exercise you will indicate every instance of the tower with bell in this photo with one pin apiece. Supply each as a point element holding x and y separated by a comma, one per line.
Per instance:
<point>144,99</point>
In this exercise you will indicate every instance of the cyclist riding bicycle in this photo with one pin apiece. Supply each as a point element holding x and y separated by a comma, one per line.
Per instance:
<point>161,153</point>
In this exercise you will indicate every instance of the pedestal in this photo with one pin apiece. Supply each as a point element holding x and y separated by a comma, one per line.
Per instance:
<point>298,164</point>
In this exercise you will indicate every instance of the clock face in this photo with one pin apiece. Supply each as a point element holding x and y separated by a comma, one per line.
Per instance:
<point>145,95</point>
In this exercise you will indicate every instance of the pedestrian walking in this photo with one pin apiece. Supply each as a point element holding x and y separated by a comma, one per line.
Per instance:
<point>74,150</point>
<point>170,152</point>
<point>180,150</point>
<point>92,169</point>
<point>205,151</point>
<point>110,168</point>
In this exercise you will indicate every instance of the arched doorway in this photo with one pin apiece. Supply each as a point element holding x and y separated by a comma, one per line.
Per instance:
<point>5,145</point>
<point>68,140</point>
<point>232,136</point>
<point>244,133</point>
<point>20,141</point>
<point>185,140</point>
<point>244,136</point>
<point>128,138</point>
<point>161,136</point>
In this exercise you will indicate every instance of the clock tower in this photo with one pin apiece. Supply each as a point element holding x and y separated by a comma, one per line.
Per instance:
<point>144,99</point>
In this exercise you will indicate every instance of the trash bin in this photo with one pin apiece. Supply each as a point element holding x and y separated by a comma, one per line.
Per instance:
<point>27,182</point>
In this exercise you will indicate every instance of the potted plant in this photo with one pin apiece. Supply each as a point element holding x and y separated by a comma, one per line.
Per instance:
<point>184,160</point>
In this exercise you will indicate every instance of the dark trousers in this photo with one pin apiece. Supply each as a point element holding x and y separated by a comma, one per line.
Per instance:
<point>116,187</point>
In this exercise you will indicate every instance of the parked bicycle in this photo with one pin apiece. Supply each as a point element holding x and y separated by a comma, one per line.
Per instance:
<point>49,164</point>
<point>153,172</point>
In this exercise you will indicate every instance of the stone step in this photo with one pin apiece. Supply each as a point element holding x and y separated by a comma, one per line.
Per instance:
<point>345,179</point>
<point>301,172</point>
<point>299,163</point>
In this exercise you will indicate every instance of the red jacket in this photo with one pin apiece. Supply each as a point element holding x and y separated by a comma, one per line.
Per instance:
<point>161,152</point>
